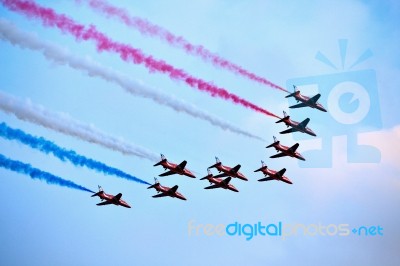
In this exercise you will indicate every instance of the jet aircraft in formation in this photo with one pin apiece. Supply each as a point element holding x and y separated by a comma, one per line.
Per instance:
<point>231,172</point>
<point>219,182</point>
<point>174,168</point>
<point>166,191</point>
<point>295,126</point>
<point>228,171</point>
<point>306,101</point>
<point>285,150</point>
<point>110,199</point>
<point>272,174</point>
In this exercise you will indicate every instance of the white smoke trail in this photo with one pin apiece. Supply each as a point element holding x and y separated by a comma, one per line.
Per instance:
<point>12,34</point>
<point>61,122</point>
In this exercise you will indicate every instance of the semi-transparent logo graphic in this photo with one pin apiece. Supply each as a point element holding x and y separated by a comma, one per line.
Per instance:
<point>282,230</point>
<point>352,101</point>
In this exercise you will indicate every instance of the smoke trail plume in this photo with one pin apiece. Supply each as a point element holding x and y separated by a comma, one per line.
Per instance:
<point>127,53</point>
<point>63,123</point>
<point>35,173</point>
<point>147,28</point>
<point>47,147</point>
<point>11,33</point>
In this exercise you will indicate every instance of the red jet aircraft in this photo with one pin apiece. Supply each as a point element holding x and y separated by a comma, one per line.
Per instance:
<point>228,171</point>
<point>110,199</point>
<point>174,168</point>
<point>306,101</point>
<point>273,175</point>
<point>285,151</point>
<point>218,182</point>
<point>295,126</point>
<point>166,191</point>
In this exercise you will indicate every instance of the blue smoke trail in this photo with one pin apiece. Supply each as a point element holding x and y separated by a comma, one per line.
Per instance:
<point>47,147</point>
<point>35,173</point>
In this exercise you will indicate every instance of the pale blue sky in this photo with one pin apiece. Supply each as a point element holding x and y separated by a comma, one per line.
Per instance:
<point>48,225</point>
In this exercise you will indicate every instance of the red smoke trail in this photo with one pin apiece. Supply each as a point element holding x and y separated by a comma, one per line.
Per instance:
<point>147,28</point>
<point>127,53</point>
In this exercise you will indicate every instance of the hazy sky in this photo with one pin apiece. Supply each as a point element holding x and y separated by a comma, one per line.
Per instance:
<point>44,224</point>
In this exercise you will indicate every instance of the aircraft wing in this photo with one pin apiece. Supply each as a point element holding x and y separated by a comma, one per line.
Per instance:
<point>182,165</point>
<point>278,155</point>
<point>235,169</point>
<point>117,197</point>
<point>167,173</point>
<point>290,130</point>
<point>314,99</point>
<point>163,194</point>
<point>104,203</point>
<point>304,123</point>
<point>227,180</point>
<point>266,179</point>
<point>221,175</point>
<point>298,105</point>
<point>173,189</point>
<point>294,147</point>
<point>281,172</point>
<point>212,186</point>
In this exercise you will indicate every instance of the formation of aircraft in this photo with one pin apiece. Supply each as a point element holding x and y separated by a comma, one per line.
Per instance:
<point>306,101</point>
<point>174,168</point>
<point>285,150</point>
<point>110,199</point>
<point>231,172</point>
<point>166,191</point>
<point>219,182</point>
<point>272,174</point>
<point>228,171</point>
<point>295,126</point>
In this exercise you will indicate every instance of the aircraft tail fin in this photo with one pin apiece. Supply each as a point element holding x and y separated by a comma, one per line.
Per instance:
<point>276,141</point>
<point>217,162</point>
<point>263,165</point>
<point>98,193</point>
<point>163,159</point>
<point>296,91</point>
<point>209,174</point>
<point>156,183</point>
<point>285,117</point>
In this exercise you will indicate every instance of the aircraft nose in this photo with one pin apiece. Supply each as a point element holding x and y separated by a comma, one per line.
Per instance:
<point>312,133</point>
